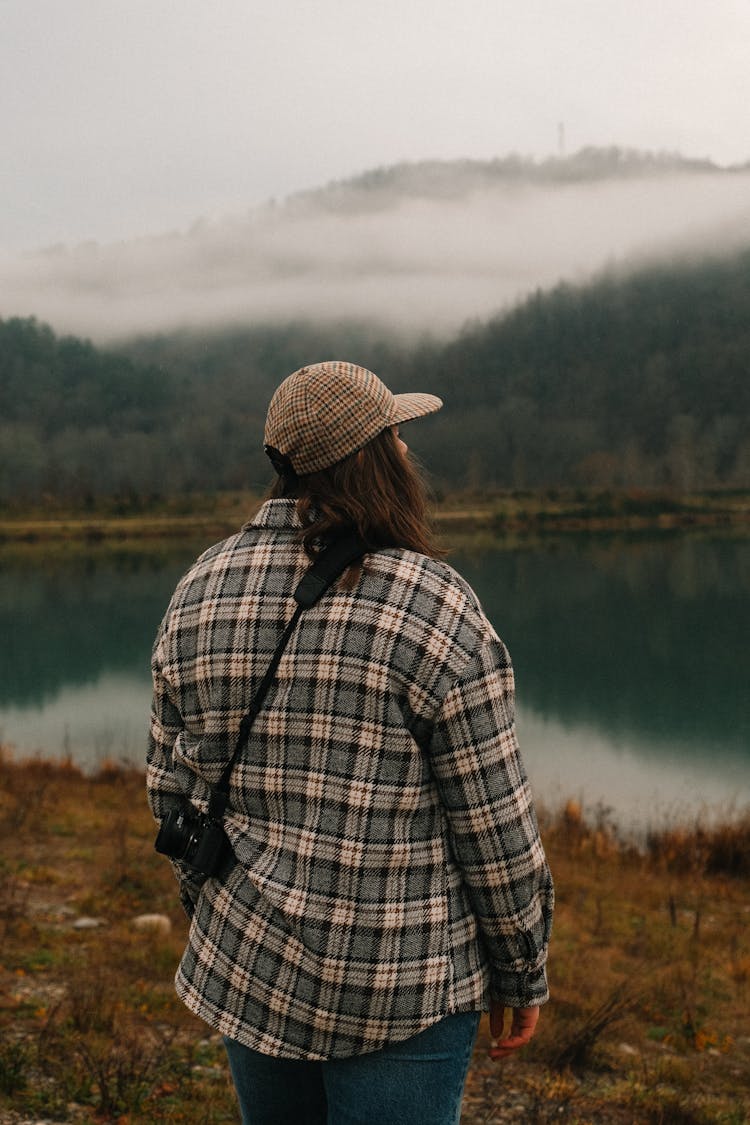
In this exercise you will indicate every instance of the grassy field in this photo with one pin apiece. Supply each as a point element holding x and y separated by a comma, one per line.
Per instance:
<point>649,968</point>
<point>214,515</point>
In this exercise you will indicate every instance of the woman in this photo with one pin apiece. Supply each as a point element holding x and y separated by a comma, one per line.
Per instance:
<point>387,881</point>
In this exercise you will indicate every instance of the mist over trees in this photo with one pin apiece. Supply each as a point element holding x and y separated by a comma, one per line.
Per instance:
<point>417,246</point>
<point>638,381</point>
<point>450,179</point>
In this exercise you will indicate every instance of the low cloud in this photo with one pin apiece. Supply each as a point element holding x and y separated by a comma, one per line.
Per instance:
<point>412,263</point>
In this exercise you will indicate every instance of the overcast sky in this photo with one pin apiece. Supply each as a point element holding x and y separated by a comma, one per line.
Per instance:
<point>128,117</point>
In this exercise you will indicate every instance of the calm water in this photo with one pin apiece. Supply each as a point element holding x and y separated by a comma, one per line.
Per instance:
<point>631,660</point>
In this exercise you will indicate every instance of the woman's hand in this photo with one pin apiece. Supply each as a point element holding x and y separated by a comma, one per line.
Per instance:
<point>522,1027</point>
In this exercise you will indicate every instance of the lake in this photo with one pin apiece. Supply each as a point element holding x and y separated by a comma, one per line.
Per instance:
<point>631,659</point>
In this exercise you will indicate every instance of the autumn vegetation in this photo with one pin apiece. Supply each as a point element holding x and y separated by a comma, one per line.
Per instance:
<point>650,971</point>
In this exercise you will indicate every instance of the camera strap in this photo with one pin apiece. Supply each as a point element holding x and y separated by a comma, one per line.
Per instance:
<point>328,566</point>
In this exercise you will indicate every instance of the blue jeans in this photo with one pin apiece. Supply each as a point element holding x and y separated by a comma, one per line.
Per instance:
<point>419,1081</point>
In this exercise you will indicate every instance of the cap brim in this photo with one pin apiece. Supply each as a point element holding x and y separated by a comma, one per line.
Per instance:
<point>410,406</point>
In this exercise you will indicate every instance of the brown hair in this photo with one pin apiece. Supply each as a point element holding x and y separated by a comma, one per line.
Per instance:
<point>378,491</point>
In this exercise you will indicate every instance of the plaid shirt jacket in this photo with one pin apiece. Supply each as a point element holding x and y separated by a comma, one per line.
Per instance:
<point>390,870</point>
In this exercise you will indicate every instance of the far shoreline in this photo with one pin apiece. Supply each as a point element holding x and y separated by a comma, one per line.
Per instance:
<point>495,515</point>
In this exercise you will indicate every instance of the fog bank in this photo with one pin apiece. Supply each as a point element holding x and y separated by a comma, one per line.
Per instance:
<point>412,263</point>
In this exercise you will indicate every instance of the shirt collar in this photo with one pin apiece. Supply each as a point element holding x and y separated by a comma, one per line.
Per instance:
<point>276,514</point>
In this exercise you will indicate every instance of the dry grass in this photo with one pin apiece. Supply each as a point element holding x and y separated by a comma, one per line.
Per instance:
<point>650,965</point>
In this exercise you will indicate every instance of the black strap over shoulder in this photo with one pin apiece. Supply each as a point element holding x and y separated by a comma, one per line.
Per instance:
<point>326,569</point>
<point>328,566</point>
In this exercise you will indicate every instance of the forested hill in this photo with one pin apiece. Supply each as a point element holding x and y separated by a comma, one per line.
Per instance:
<point>639,381</point>
<point>451,179</point>
<point>643,381</point>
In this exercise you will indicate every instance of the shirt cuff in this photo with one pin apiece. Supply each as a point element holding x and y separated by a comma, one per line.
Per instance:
<point>527,989</point>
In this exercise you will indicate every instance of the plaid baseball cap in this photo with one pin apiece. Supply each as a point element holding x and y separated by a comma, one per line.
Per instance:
<point>324,412</point>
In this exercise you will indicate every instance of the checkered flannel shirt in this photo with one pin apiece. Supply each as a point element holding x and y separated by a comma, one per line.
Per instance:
<point>390,870</point>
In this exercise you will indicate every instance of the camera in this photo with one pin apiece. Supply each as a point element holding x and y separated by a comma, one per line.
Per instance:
<point>194,839</point>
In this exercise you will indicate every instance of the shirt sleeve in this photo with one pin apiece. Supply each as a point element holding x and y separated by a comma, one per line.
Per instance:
<point>162,788</point>
<point>494,833</point>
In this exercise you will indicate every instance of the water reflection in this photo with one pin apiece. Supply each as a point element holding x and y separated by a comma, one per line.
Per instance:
<point>630,657</point>
<point>105,720</point>
<point>631,783</point>
<point>641,639</point>
<point>67,619</point>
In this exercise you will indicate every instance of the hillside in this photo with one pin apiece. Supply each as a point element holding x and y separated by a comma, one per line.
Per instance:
<point>628,381</point>
<point>637,381</point>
